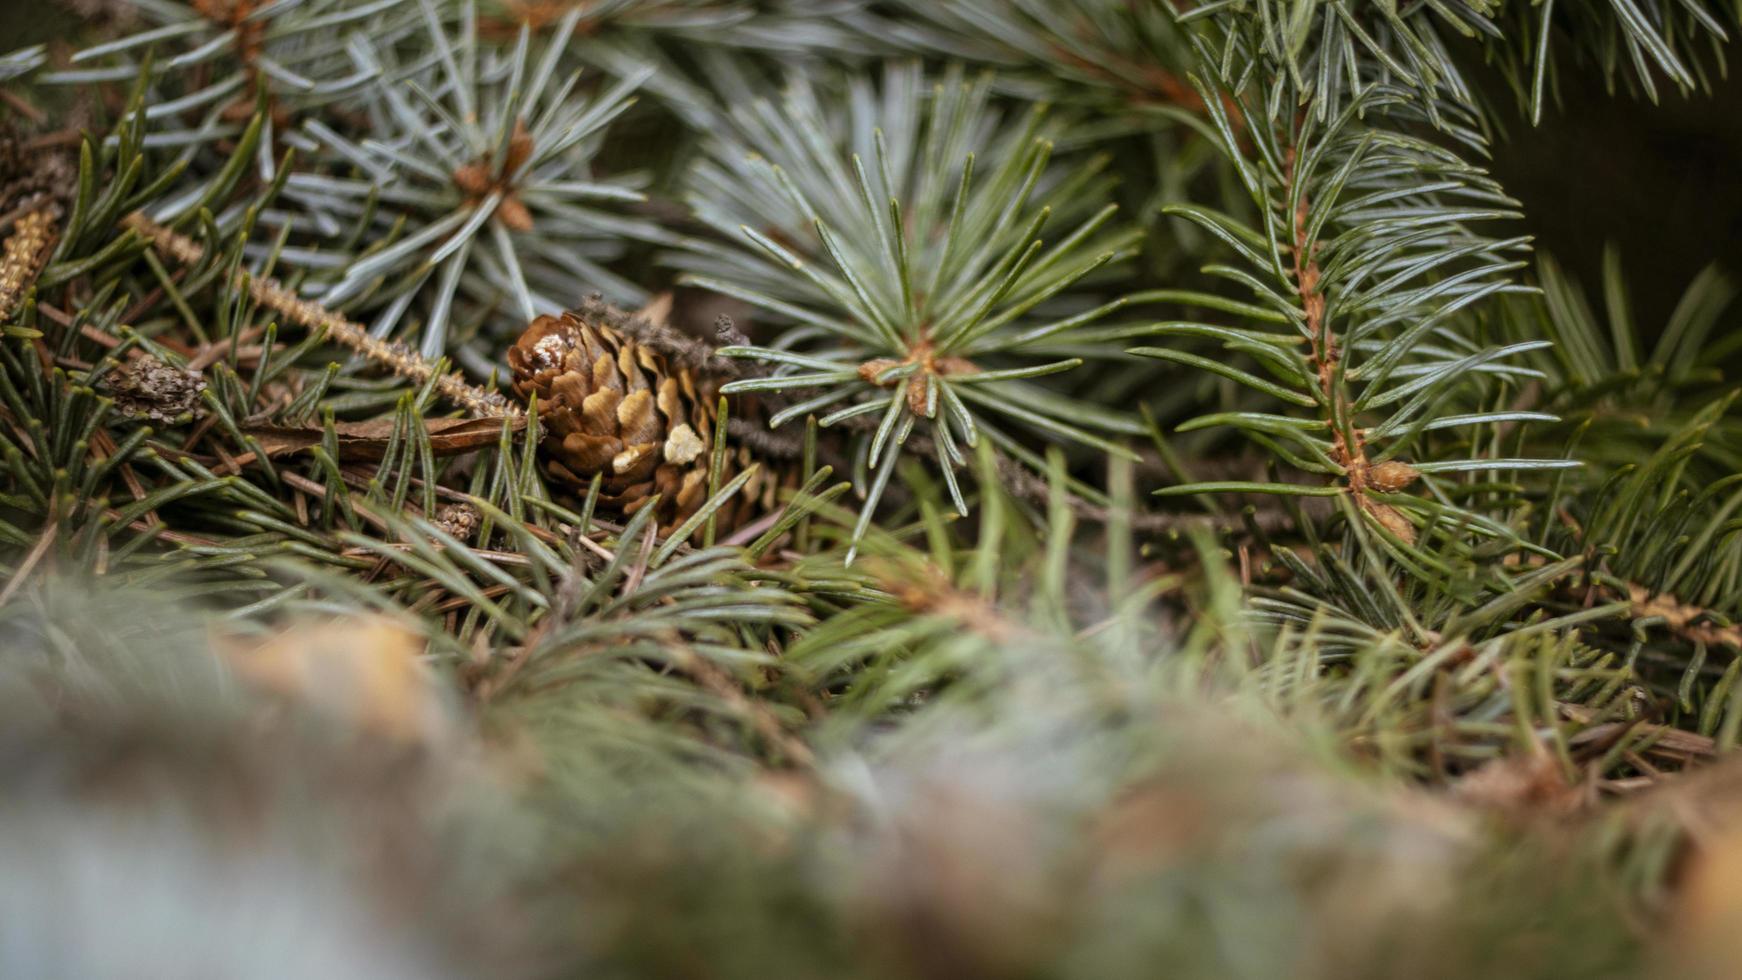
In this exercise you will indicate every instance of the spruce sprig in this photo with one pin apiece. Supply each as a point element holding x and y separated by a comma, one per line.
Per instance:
<point>920,292</point>
<point>1365,263</point>
<point>475,177</point>
<point>208,61</point>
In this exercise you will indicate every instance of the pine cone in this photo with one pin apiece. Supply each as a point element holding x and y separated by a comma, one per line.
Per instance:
<point>613,406</point>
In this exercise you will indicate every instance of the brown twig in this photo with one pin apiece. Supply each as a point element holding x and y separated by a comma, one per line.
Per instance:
<point>37,551</point>
<point>723,686</point>
<point>1683,619</point>
<point>1348,448</point>
<point>269,293</point>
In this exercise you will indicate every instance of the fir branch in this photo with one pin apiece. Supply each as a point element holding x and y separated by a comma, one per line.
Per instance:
<point>1331,53</point>
<point>312,316</point>
<point>223,55</point>
<point>1398,590</point>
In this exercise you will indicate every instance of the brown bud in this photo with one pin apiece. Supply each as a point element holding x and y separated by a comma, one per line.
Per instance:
<point>513,214</point>
<point>473,179</point>
<point>519,149</point>
<point>1391,476</point>
<point>872,368</point>
<point>239,110</point>
<point>1391,519</point>
<point>221,11</point>
<point>917,389</point>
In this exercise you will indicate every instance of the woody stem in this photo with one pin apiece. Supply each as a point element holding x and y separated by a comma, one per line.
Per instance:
<point>1346,448</point>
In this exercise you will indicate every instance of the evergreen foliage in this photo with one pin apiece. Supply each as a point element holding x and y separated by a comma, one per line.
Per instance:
<point>1191,521</point>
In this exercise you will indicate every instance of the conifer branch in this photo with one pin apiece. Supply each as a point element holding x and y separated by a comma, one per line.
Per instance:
<point>1448,528</point>
<point>269,293</point>
<point>1364,251</point>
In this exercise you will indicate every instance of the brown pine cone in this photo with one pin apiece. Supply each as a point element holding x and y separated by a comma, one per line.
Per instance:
<point>611,405</point>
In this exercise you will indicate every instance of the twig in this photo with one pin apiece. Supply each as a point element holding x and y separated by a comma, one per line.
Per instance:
<point>1347,441</point>
<point>721,685</point>
<point>22,107</point>
<point>269,293</point>
<point>1683,618</point>
<point>24,569</point>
